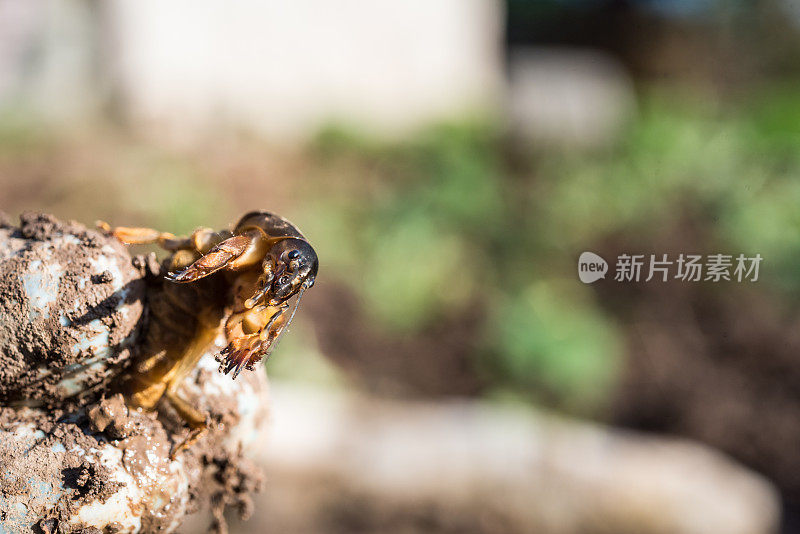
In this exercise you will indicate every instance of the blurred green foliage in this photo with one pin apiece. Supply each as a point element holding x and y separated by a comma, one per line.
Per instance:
<point>441,225</point>
<point>738,168</point>
<point>550,339</point>
<point>171,192</point>
<point>443,222</point>
<point>423,216</point>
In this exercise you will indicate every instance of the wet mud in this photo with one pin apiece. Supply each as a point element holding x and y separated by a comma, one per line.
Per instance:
<point>73,456</point>
<point>71,308</point>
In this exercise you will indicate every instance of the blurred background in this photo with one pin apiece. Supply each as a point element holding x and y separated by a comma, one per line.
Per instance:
<point>450,160</point>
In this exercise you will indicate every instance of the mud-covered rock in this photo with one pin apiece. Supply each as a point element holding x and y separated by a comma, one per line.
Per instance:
<point>71,302</point>
<point>107,468</point>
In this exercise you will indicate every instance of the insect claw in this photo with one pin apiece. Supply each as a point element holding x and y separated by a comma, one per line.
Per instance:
<point>189,274</point>
<point>229,359</point>
<point>236,372</point>
<point>251,365</point>
<point>242,353</point>
<point>236,364</point>
<point>222,255</point>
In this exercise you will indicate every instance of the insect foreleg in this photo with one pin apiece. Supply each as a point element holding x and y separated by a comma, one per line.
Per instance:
<point>233,253</point>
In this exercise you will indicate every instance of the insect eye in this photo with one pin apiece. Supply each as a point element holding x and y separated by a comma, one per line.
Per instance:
<point>294,254</point>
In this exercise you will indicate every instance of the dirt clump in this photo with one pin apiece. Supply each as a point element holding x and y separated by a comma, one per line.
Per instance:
<point>71,307</point>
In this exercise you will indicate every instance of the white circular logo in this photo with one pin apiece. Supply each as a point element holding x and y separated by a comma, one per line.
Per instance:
<point>591,267</point>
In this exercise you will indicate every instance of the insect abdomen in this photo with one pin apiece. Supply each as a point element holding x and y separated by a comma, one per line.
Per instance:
<point>179,315</point>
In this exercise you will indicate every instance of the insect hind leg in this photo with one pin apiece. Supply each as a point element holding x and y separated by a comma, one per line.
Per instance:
<point>197,421</point>
<point>145,236</point>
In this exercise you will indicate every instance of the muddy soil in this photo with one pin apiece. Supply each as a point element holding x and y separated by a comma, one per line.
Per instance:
<point>73,456</point>
<point>71,307</point>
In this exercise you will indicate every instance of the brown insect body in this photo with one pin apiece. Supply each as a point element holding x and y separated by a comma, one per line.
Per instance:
<point>246,277</point>
<point>183,319</point>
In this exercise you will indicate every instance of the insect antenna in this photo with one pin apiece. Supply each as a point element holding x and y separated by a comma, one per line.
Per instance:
<point>296,305</point>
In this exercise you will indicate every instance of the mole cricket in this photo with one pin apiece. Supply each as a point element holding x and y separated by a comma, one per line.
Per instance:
<point>241,280</point>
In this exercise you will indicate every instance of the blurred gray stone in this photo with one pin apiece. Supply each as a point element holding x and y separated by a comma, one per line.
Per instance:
<point>568,97</point>
<point>336,461</point>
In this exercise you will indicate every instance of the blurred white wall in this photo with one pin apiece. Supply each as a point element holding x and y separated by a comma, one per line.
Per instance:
<point>47,57</point>
<point>285,68</point>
